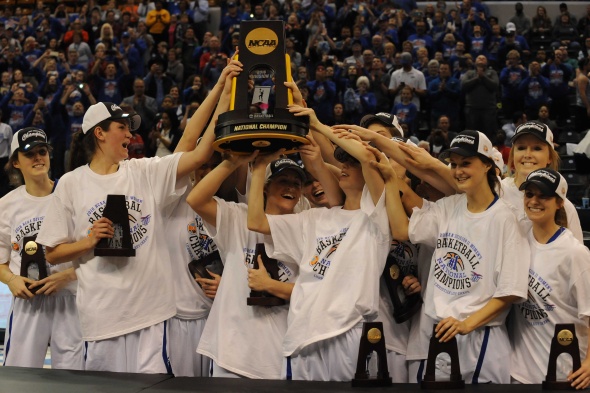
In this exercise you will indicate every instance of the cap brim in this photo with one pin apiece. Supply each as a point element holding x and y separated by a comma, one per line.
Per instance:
<point>457,150</point>
<point>542,186</point>
<point>134,120</point>
<point>32,145</point>
<point>524,132</point>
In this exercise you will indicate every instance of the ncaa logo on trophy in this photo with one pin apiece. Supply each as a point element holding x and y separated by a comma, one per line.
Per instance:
<point>258,118</point>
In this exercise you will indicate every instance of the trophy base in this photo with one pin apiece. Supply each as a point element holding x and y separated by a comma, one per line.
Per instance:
<point>268,301</point>
<point>412,306</point>
<point>239,134</point>
<point>371,382</point>
<point>114,252</point>
<point>443,385</point>
<point>557,385</point>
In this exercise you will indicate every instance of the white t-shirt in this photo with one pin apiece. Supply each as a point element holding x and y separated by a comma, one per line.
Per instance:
<point>119,295</point>
<point>21,215</point>
<point>341,255</point>
<point>243,339</point>
<point>559,292</point>
<point>511,194</point>
<point>477,256</point>
<point>187,240</point>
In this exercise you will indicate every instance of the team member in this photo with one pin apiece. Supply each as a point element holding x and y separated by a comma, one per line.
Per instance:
<point>477,268</point>
<point>532,148</point>
<point>42,311</point>
<point>325,318</point>
<point>559,285</point>
<point>188,241</point>
<point>123,302</point>
<point>246,340</point>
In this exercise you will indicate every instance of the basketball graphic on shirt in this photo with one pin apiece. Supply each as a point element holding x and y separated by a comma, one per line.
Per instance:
<point>405,254</point>
<point>454,261</point>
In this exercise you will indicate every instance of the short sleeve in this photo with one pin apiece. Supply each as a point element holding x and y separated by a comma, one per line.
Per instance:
<point>287,236</point>
<point>423,226</point>
<point>58,225</point>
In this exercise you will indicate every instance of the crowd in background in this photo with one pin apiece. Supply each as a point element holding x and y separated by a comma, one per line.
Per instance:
<point>440,69</point>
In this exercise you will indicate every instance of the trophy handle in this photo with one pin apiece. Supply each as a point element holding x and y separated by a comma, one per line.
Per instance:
<point>234,83</point>
<point>289,78</point>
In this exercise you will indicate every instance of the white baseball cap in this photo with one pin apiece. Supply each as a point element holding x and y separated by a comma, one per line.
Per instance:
<point>102,111</point>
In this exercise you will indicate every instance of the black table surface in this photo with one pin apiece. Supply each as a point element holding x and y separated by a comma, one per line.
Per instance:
<point>29,380</point>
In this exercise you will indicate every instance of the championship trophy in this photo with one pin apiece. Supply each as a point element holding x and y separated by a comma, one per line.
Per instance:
<point>372,340</point>
<point>403,306</point>
<point>32,263</point>
<point>258,118</point>
<point>564,341</point>
<point>436,348</point>
<point>199,267</point>
<point>263,298</point>
<point>120,245</point>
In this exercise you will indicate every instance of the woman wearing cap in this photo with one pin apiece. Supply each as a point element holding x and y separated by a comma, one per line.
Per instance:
<point>477,268</point>
<point>532,148</point>
<point>559,285</point>
<point>245,341</point>
<point>343,245</point>
<point>42,311</point>
<point>123,302</point>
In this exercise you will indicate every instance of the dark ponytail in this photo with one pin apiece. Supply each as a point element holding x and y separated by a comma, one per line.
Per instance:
<point>84,145</point>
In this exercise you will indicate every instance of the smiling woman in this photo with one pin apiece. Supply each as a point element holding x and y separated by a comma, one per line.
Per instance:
<point>35,316</point>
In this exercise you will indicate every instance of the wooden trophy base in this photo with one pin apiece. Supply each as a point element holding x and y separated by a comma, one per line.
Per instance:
<point>237,133</point>
<point>557,385</point>
<point>114,252</point>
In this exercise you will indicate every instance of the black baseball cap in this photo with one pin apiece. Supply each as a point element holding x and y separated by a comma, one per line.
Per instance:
<point>27,138</point>
<point>282,164</point>
<point>550,182</point>
<point>536,129</point>
<point>469,143</point>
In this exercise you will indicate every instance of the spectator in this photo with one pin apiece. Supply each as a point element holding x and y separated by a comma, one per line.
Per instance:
<point>157,21</point>
<point>512,41</point>
<point>480,87</point>
<point>322,94</point>
<point>76,27</point>
<point>185,49</point>
<point>5,141</point>
<point>175,68</point>
<point>15,107</point>
<point>406,111</point>
<point>431,71</point>
<point>563,10</point>
<point>510,78</point>
<point>421,39</point>
<point>156,82</point>
<point>212,54</point>
<point>407,76</point>
<point>521,21</point>
<point>165,133</point>
<point>109,87</point>
<point>558,74</point>
<point>85,56</point>
<point>565,33</point>
<point>379,85</point>
<point>131,54</point>
<point>584,24</point>
<point>543,117</point>
<point>196,90</point>
<point>444,92</point>
<point>535,89</point>
<point>145,106</point>
<point>541,25</point>
<point>200,17</point>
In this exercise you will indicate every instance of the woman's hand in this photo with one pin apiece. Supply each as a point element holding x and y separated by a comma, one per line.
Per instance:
<point>53,283</point>
<point>18,287</point>
<point>411,285</point>
<point>100,229</point>
<point>298,110</point>
<point>258,279</point>
<point>418,156</point>
<point>348,130</point>
<point>209,285</point>
<point>449,328</point>
<point>297,97</point>
<point>581,377</point>
<point>262,160</point>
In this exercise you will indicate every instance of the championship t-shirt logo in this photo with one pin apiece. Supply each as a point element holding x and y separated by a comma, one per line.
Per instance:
<point>325,250</point>
<point>199,243</point>
<point>456,264</point>
<point>538,303</point>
